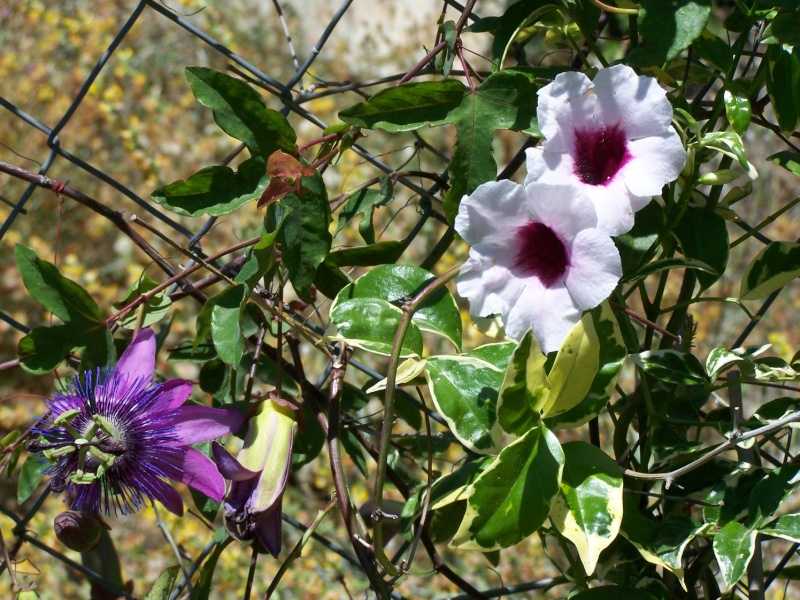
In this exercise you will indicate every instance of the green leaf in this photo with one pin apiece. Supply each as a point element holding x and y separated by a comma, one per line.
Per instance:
<point>64,298</point>
<point>396,284</point>
<point>672,366</point>
<point>30,476</point>
<point>464,390</point>
<point>260,261</point>
<point>304,236</point>
<point>309,440</point>
<point>737,106</point>
<point>103,560</point>
<point>408,106</point>
<point>498,354</point>
<point>444,60</point>
<point>783,74</point>
<point>525,388</point>
<point>330,279</point>
<point>366,256</point>
<point>668,28</point>
<point>777,409</point>
<point>226,330</point>
<point>512,498</point>
<point>162,588</point>
<point>611,358</point>
<point>786,527</point>
<point>721,359</point>
<point>518,15</point>
<point>371,324</point>
<point>43,348</point>
<point>775,266</point>
<point>769,494</point>
<point>788,160</point>
<point>456,486</point>
<point>714,50</point>
<point>613,592</point>
<point>216,190</point>
<point>202,589</point>
<point>588,511</point>
<point>734,546</point>
<point>639,245</point>
<point>153,310</point>
<point>241,112</point>
<point>505,100</point>
<point>703,236</point>
<point>666,264</point>
<point>363,204</point>
<point>784,29</point>
<point>574,368</point>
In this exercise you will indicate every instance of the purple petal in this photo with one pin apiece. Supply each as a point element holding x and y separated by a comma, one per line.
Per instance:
<point>135,367</point>
<point>173,393</point>
<point>196,470</point>
<point>167,495</point>
<point>230,467</point>
<point>195,424</point>
<point>268,529</point>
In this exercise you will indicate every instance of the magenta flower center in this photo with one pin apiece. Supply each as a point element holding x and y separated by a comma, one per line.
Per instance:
<point>541,253</point>
<point>600,154</point>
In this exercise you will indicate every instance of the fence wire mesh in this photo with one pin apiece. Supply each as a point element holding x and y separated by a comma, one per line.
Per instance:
<point>93,97</point>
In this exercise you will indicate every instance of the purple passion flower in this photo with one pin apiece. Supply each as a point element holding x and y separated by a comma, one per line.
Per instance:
<point>116,437</point>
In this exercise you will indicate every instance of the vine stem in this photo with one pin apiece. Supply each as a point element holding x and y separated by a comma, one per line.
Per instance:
<point>731,442</point>
<point>409,308</point>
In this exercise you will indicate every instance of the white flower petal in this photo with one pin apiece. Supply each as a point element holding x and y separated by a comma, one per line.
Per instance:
<point>556,111</point>
<point>595,269</point>
<point>613,205</point>
<point>656,160</point>
<point>549,311</point>
<point>477,220</point>
<point>636,102</point>
<point>549,167</point>
<point>486,281</point>
<point>566,209</point>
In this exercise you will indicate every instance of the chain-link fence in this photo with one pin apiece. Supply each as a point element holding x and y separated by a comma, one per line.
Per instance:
<point>96,115</point>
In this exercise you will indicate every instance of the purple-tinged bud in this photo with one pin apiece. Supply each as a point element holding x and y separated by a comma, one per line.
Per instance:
<point>79,530</point>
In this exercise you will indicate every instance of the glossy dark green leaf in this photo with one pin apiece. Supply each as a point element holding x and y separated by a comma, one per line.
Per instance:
<point>668,28</point>
<point>330,280</point>
<point>61,296</point>
<point>216,190</point>
<point>464,390</point>
<point>97,348</point>
<point>354,450</point>
<point>398,283</point>
<point>260,261</point>
<point>703,236</point>
<point>30,476</point>
<point>104,561</point>
<point>586,14</point>
<point>202,589</point>
<point>226,330</point>
<point>769,494</point>
<point>497,354</point>
<point>783,29</point>
<point>667,264</point>
<point>733,547</point>
<point>148,313</point>
<point>721,359</point>
<point>775,266</point>
<point>588,511</point>
<point>241,112</point>
<point>162,588</point>
<point>737,106</point>
<point>363,204</point>
<point>512,498</point>
<point>672,366</point>
<point>371,324</point>
<point>783,76</point>
<point>786,527</point>
<point>613,592</point>
<point>304,236</point>
<point>788,160</point>
<point>43,348</point>
<point>382,253</point>
<point>409,106</point>
<point>517,15</point>
<point>309,440</point>
<point>714,50</point>
<point>505,100</point>
<point>640,244</point>
<point>215,379</point>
